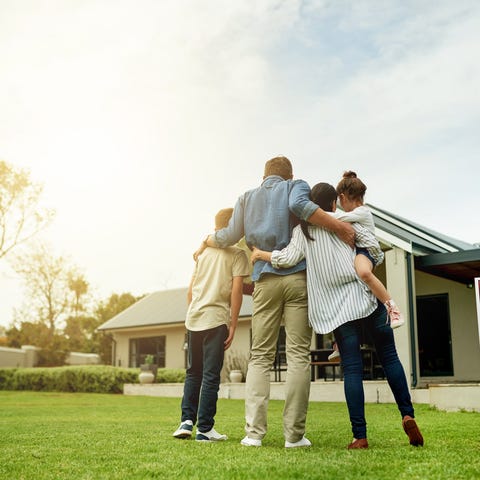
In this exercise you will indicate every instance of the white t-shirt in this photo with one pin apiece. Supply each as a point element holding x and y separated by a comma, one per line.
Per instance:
<point>212,286</point>
<point>363,216</point>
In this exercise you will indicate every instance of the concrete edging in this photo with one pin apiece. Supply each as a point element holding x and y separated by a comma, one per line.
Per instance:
<point>448,397</point>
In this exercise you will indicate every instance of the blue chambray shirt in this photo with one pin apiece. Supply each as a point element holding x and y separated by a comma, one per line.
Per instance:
<point>266,216</point>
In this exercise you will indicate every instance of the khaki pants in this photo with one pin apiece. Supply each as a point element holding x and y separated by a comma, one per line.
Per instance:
<point>278,298</point>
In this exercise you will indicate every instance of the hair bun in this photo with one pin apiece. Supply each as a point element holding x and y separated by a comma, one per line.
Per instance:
<point>349,174</point>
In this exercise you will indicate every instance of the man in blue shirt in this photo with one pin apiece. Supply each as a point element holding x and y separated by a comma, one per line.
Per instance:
<point>266,216</point>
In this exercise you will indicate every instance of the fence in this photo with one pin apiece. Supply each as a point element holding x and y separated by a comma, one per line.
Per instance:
<point>26,357</point>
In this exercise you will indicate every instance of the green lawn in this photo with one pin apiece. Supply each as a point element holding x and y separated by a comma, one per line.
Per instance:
<point>93,436</point>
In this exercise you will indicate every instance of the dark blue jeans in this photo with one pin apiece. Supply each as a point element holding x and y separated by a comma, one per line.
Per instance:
<point>348,337</point>
<point>205,361</point>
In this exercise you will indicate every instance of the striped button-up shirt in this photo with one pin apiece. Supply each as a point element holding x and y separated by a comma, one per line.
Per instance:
<point>335,293</point>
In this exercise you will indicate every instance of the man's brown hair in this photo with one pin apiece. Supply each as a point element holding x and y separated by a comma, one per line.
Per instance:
<point>222,218</point>
<point>280,166</point>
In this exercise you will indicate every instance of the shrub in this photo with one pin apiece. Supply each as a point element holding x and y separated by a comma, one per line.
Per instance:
<point>170,375</point>
<point>6,378</point>
<point>82,378</point>
<point>88,378</point>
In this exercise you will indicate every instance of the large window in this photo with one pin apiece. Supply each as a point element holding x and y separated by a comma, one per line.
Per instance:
<point>141,347</point>
<point>434,337</point>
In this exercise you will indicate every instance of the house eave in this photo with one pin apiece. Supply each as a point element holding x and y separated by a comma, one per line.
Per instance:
<point>460,267</point>
<point>148,326</point>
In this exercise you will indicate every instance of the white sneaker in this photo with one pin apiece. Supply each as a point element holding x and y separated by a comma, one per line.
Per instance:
<point>394,315</point>
<point>397,323</point>
<point>211,436</point>
<point>333,356</point>
<point>251,442</point>
<point>184,430</point>
<point>303,442</point>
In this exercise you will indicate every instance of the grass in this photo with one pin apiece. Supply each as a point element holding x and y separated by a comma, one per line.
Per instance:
<point>95,436</point>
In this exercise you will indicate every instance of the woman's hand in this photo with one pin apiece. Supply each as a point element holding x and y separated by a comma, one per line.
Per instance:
<point>256,255</point>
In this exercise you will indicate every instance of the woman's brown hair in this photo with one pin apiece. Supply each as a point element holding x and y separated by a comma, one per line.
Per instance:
<point>324,195</point>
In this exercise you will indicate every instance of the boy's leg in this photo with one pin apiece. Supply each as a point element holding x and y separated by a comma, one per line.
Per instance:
<point>193,379</point>
<point>213,354</point>
<point>348,341</point>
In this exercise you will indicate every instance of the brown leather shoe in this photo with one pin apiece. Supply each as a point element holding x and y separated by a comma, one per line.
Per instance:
<point>358,443</point>
<point>412,430</point>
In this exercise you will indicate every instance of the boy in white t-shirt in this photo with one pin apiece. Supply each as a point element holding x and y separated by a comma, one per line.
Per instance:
<point>215,296</point>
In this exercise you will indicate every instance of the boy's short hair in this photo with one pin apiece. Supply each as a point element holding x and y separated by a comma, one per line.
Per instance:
<point>280,166</point>
<point>222,218</point>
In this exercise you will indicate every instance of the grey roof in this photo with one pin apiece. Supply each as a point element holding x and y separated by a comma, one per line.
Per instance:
<point>423,240</point>
<point>434,252</point>
<point>166,307</point>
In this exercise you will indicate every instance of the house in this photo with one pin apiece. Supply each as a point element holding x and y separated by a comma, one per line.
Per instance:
<point>430,275</point>
<point>156,325</point>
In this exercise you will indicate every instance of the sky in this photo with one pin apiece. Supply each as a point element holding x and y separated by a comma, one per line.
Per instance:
<point>143,119</point>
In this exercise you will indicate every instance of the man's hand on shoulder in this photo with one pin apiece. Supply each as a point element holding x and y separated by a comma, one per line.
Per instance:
<point>201,249</point>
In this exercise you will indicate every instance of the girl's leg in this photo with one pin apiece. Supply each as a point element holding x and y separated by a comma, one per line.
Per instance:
<point>348,341</point>
<point>335,354</point>
<point>364,269</point>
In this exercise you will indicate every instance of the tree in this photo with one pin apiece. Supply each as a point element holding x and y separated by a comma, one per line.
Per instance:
<point>115,305</point>
<point>105,311</point>
<point>21,217</point>
<point>45,277</point>
<point>79,287</point>
<point>27,333</point>
<point>53,347</point>
<point>80,334</point>
<point>81,330</point>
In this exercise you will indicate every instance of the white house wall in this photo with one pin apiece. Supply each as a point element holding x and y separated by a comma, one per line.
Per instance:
<point>463,324</point>
<point>174,343</point>
<point>174,353</point>
<point>397,286</point>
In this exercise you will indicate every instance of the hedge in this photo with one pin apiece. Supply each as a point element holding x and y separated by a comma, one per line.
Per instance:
<point>170,375</point>
<point>88,378</point>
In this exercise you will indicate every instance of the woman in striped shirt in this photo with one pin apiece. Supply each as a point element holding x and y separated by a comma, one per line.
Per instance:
<point>339,301</point>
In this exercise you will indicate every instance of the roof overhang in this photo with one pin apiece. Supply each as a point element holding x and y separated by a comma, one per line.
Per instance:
<point>460,267</point>
<point>141,327</point>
